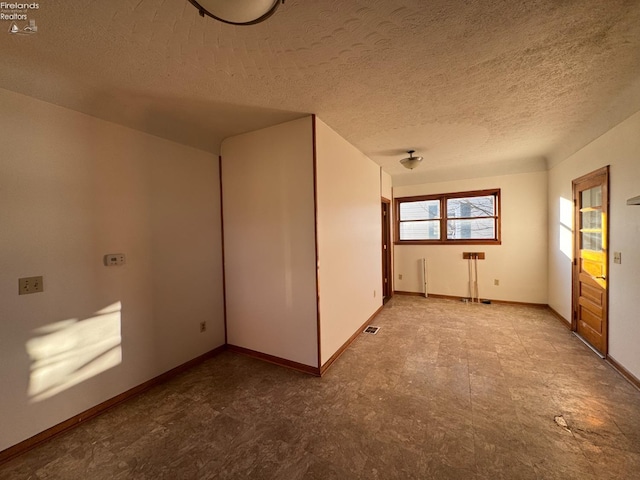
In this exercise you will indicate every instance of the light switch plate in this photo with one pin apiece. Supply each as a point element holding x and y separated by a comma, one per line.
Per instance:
<point>114,259</point>
<point>617,257</point>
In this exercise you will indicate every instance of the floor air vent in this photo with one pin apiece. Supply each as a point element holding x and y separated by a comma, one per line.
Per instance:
<point>372,330</point>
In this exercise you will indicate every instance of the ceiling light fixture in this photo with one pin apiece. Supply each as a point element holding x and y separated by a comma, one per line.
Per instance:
<point>237,12</point>
<point>411,162</point>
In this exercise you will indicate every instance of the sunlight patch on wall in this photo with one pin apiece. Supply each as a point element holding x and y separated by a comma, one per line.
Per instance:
<point>71,351</point>
<point>566,227</point>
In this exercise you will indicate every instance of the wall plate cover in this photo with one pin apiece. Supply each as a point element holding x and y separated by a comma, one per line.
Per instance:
<point>29,285</point>
<point>114,259</point>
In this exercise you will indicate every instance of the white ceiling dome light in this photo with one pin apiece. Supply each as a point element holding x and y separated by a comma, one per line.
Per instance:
<point>411,162</point>
<point>237,12</point>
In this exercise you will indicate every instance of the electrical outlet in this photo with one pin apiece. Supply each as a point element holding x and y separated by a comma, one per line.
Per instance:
<point>617,257</point>
<point>496,282</point>
<point>29,285</point>
<point>399,276</point>
<point>374,294</point>
<point>203,327</point>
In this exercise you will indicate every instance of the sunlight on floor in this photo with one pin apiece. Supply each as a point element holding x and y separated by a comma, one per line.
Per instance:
<point>71,351</point>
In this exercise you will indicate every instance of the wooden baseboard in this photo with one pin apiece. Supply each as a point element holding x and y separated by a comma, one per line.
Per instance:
<point>300,366</point>
<point>524,304</point>
<point>562,320</point>
<point>414,294</point>
<point>283,362</point>
<point>96,410</point>
<point>455,297</point>
<point>635,381</point>
<point>445,297</point>
<point>346,344</point>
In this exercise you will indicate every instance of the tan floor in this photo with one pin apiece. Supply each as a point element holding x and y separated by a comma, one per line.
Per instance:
<point>445,390</point>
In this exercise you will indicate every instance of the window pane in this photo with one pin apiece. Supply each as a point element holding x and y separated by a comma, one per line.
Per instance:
<point>591,219</point>
<point>450,218</point>
<point>425,230</point>
<point>471,207</point>
<point>477,229</point>
<point>592,197</point>
<point>422,210</point>
<point>591,241</point>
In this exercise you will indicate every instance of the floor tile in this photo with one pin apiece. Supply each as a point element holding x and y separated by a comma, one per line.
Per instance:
<point>445,390</point>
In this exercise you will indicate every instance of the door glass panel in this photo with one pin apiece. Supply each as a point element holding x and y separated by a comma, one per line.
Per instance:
<point>591,219</point>
<point>592,197</point>
<point>592,241</point>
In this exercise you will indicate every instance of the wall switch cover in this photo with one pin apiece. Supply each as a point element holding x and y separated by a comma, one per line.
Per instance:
<point>114,259</point>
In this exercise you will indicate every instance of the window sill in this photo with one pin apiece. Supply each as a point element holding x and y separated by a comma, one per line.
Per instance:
<point>447,242</point>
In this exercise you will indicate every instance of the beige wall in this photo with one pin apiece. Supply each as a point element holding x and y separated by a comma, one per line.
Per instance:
<point>74,188</point>
<point>268,201</point>
<point>269,238</point>
<point>349,238</point>
<point>619,148</point>
<point>385,185</point>
<point>386,191</point>
<point>519,263</point>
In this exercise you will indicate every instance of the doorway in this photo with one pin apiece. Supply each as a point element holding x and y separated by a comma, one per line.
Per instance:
<point>590,259</point>
<point>386,250</point>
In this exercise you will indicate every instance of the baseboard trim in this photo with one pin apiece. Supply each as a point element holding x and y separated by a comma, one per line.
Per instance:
<point>346,344</point>
<point>630,377</point>
<point>562,320</point>
<point>524,304</point>
<point>455,297</point>
<point>413,294</point>
<point>28,444</point>
<point>283,362</point>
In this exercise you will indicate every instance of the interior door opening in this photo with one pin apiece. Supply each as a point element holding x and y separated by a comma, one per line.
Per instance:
<point>590,259</point>
<point>386,250</point>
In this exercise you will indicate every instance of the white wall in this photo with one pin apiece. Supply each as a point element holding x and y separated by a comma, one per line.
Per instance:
<point>269,232</point>
<point>73,188</point>
<point>519,263</point>
<point>619,148</point>
<point>349,238</point>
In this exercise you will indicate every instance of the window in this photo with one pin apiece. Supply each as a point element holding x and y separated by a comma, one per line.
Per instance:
<point>462,218</point>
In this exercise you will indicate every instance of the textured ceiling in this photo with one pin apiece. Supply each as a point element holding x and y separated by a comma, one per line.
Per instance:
<point>473,86</point>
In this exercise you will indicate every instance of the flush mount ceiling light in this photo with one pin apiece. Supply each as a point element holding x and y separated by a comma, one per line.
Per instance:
<point>411,162</point>
<point>237,12</point>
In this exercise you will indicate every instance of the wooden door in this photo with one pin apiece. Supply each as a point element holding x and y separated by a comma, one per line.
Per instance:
<point>386,250</point>
<point>590,312</point>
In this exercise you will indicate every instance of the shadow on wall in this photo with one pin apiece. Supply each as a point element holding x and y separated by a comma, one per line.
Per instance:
<point>66,353</point>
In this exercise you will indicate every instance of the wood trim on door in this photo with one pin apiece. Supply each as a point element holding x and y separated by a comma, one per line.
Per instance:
<point>315,234</point>
<point>387,276</point>
<point>224,273</point>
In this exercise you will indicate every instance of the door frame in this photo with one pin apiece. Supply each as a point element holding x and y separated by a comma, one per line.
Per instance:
<point>575,184</point>
<point>385,214</point>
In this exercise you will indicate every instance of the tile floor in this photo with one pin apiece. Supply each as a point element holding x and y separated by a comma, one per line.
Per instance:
<point>445,390</point>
